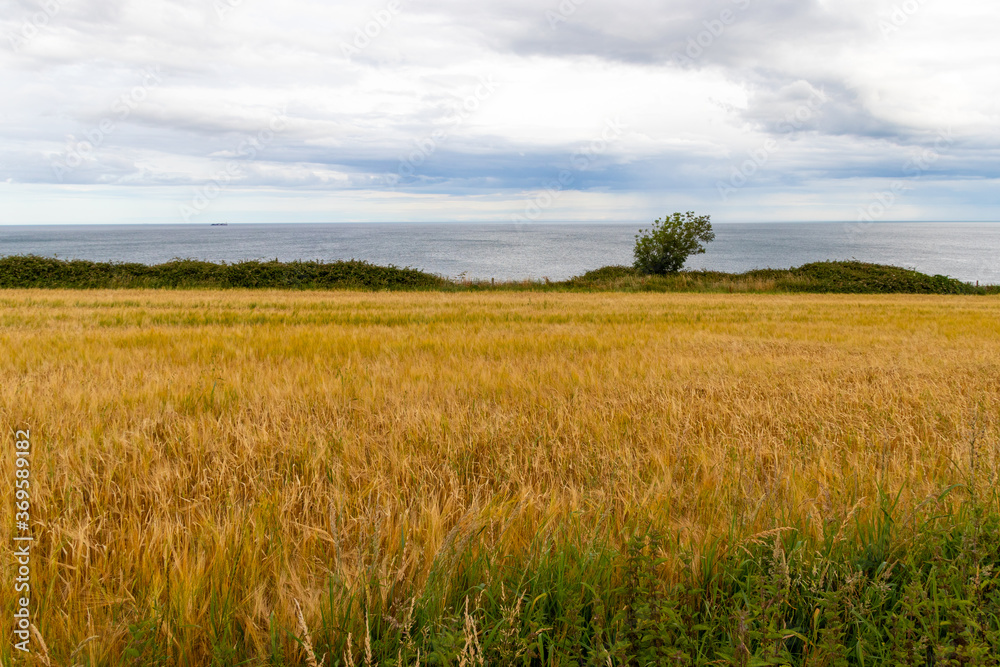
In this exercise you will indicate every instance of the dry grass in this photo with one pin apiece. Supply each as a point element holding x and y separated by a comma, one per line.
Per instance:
<point>227,453</point>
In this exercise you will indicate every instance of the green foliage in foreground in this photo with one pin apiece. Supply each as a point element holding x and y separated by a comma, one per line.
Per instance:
<point>29,271</point>
<point>33,271</point>
<point>890,588</point>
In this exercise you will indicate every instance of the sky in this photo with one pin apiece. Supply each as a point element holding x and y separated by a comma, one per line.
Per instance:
<point>184,111</point>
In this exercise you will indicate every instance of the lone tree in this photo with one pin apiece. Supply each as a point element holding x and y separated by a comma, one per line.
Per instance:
<point>667,244</point>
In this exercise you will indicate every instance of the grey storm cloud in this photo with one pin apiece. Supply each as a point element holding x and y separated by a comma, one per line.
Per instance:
<point>737,33</point>
<point>173,92</point>
<point>757,41</point>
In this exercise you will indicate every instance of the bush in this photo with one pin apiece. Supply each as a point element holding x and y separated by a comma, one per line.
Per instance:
<point>665,247</point>
<point>608,273</point>
<point>28,271</point>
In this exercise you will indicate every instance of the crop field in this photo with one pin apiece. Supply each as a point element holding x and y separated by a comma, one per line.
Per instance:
<point>272,478</point>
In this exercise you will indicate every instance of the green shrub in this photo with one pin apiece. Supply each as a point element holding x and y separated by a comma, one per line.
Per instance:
<point>609,273</point>
<point>23,271</point>
<point>31,271</point>
<point>665,247</point>
<point>865,278</point>
<point>850,277</point>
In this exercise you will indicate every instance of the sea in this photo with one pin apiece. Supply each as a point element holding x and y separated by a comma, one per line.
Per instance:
<point>969,251</point>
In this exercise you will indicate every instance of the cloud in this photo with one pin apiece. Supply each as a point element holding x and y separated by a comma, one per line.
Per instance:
<point>441,98</point>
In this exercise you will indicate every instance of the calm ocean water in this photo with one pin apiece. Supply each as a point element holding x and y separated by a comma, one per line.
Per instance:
<point>968,251</point>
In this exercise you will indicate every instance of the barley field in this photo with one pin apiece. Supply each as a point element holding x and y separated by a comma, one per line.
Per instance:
<point>237,477</point>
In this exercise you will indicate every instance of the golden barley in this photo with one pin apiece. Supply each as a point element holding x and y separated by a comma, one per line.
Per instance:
<point>227,452</point>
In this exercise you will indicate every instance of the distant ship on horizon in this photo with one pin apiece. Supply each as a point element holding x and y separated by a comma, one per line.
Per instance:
<point>220,224</point>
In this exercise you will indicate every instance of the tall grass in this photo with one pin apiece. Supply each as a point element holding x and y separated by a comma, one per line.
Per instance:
<point>511,478</point>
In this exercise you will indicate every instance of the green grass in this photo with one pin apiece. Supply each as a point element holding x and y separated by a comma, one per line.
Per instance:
<point>30,271</point>
<point>887,593</point>
<point>878,589</point>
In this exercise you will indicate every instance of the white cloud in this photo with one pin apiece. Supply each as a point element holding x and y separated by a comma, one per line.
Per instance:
<point>699,86</point>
